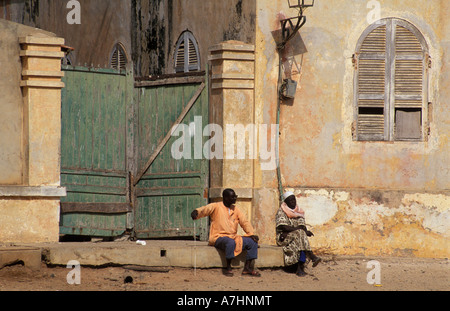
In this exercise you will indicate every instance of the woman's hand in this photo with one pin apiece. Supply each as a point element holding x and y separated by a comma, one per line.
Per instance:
<point>283,236</point>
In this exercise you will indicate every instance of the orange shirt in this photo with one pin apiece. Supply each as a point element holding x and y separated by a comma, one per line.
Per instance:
<point>224,222</point>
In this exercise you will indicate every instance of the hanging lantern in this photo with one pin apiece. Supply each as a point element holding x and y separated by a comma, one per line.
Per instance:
<point>300,3</point>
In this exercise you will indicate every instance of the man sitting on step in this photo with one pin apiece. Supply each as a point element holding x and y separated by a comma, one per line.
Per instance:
<point>225,217</point>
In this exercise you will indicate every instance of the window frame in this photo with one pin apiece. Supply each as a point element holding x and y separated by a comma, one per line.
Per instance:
<point>118,47</point>
<point>186,37</point>
<point>389,97</point>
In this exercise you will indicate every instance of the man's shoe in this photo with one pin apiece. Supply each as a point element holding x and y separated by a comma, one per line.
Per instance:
<point>251,273</point>
<point>227,272</point>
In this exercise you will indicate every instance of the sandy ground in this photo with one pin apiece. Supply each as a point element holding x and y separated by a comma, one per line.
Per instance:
<point>349,274</point>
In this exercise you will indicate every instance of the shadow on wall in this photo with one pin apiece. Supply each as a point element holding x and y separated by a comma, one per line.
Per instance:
<point>291,59</point>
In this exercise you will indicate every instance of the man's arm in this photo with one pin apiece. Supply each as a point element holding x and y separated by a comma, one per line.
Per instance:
<point>203,211</point>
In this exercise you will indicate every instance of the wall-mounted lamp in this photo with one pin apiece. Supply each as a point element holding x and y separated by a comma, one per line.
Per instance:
<point>300,3</point>
<point>290,26</point>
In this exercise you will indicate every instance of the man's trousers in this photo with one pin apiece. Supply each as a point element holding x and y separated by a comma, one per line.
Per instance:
<point>228,245</point>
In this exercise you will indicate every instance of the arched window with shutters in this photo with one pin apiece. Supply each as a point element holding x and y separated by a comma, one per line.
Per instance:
<point>118,59</point>
<point>391,82</point>
<point>186,57</point>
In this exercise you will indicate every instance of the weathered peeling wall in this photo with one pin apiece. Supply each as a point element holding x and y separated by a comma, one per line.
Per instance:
<point>377,223</point>
<point>103,24</point>
<point>149,36</point>
<point>316,146</point>
<point>148,29</point>
<point>159,24</point>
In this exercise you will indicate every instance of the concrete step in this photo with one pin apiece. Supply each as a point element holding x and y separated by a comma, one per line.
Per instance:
<point>29,256</point>
<point>157,253</point>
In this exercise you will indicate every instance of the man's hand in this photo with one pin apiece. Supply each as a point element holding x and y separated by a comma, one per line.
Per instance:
<point>255,238</point>
<point>194,214</point>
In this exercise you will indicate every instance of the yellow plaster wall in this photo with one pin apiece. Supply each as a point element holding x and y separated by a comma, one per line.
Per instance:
<point>44,145</point>
<point>29,220</point>
<point>316,146</point>
<point>29,206</point>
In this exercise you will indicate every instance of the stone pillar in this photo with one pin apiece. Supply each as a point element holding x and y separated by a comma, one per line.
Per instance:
<point>232,107</point>
<point>29,212</point>
<point>41,88</point>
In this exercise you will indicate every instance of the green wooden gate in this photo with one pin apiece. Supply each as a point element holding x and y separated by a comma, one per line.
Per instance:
<point>116,160</point>
<point>93,152</point>
<point>168,189</point>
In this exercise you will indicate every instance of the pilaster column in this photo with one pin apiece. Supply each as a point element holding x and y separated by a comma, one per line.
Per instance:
<point>41,89</point>
<point>232,107</point>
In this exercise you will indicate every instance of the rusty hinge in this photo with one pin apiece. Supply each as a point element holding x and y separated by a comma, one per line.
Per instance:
<point>354,130</point>
<point>355,61</point>
<point>429,61</point>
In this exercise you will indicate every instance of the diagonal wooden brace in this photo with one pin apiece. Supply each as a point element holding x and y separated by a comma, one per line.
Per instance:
<point>169,134</point>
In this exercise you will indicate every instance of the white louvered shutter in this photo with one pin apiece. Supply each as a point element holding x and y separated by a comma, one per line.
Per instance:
<point>409,84</point>
<point>179,58</point>
<point>193,61</point>
<point>187,54</point>
<point>371,86</point>
<point>391,82</point>
<point>118,58</point>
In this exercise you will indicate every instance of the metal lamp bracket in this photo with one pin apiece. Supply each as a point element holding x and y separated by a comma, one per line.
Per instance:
<point>290,26</point>
<point>288,30</point>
